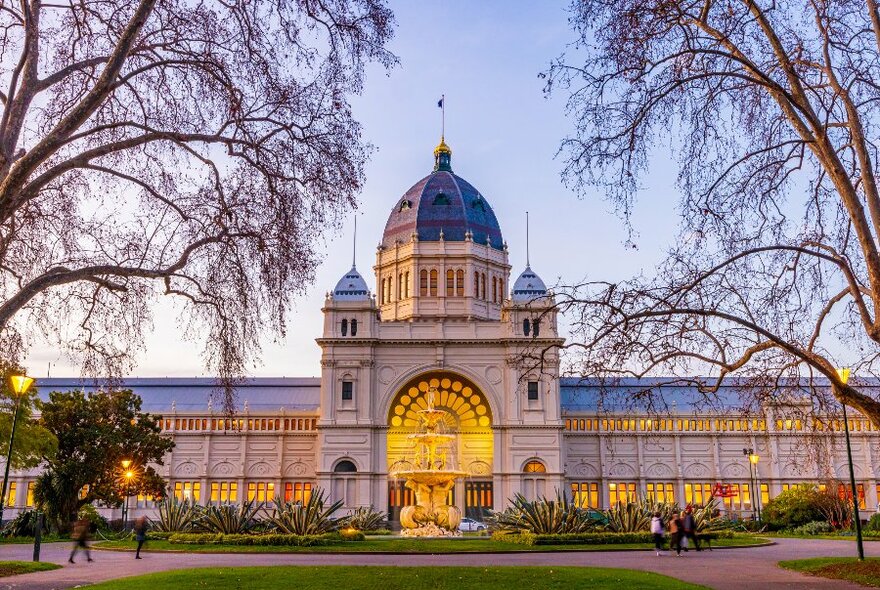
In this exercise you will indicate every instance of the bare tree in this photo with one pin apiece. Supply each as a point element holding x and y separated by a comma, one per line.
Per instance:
<point>189,149</point>
<point>771,111</point>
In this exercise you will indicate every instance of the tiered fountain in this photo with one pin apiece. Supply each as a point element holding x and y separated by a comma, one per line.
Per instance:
<point>431,476</point>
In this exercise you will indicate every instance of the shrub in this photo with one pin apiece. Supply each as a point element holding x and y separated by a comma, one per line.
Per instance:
<point>177,516</point>
<point>23,525</point>
<point>629,518</point>
<point>817,527</point>
<point>272,540</point>
<point>873,523</point>
<point>96,521</point>
<point>527,538</point>
<point>543,516</point>
<point>351,535</point>
<point>365,519</point>
<point>792,508</point>
<point>228,518</point>
<point>311,518</point>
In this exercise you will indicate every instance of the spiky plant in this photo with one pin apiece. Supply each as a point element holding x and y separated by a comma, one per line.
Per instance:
<point>23,525</point>
<point>177,516</point>
<point>543,516</point>
<point>310,518</point>
<point>707,516</point>
<point>230,519</point>
<point>365,518</point>
<point>627,518</point>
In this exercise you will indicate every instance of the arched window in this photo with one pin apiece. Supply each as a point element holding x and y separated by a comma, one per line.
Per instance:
<point>423,283</point>
<point>494,290</point>
<point>354,327</point>
<point>483,286</point>
<point>534,466</point>
<point>406,285</point>
<point>345,327</point>
<point>400,286</point>
<point>536,327</point>
<point>459,283</point>
<point>389,291</point>
<point>382,291</point>
<point>450,283</point>
<point>501,293</point>
<point>526,327</point>
<point>476,284</point>
<point>345,466</point>
<point>433,282</point>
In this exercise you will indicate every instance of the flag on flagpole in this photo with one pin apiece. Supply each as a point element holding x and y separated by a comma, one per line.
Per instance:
<point>440,102</point>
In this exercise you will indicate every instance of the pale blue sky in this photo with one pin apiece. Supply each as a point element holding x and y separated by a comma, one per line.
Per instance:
<point>485,57</point>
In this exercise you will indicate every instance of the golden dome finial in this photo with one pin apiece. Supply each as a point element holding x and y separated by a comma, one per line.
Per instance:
<point>442,147</point>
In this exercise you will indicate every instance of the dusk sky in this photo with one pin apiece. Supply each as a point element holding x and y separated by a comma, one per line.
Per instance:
<point>485,57</point>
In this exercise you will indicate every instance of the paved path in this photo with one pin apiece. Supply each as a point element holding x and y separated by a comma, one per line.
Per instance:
<point>722,569</point>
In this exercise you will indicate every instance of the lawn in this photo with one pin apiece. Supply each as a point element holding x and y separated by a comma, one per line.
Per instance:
<point>13,568</point>
<point>397,545</point>
<point>400,578</point>
<point>865,572</point>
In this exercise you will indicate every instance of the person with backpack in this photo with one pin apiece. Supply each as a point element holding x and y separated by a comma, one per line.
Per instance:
<point>676,532</point>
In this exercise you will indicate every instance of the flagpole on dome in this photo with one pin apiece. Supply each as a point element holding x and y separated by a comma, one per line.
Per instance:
<point>354,243</point>
<point>528,263</point>
<point>442,104</point>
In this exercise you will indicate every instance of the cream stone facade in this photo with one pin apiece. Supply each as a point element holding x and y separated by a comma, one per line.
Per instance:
<point>445,318</point>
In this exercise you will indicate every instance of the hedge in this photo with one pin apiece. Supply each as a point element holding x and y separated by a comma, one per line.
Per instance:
<point>270,539</point>
<point>527,538</point>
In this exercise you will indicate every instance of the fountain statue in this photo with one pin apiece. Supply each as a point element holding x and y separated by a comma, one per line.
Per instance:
<point>430,476</point>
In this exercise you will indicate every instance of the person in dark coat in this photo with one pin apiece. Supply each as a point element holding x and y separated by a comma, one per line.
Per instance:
<point>690,527</point>
<point>140,534</point>
<point>82,530</point>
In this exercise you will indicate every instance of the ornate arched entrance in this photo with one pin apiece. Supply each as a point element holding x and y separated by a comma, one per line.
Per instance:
<point>470,415</point>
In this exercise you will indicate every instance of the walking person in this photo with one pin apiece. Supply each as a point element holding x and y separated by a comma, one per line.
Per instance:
<point>82,530</point>
<point>140,534</point>
<point>657,531</point>
<point>676,532</point>
<point>690,527</point>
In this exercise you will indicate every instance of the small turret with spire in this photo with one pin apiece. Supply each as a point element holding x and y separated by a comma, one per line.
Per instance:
<point>442,157</point>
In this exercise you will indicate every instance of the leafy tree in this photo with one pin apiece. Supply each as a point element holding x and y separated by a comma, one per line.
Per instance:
<point>189,149</point>
<point>95,432</point>
<point>33,443</point>
<point>771,112</point>
<point>794,507</point>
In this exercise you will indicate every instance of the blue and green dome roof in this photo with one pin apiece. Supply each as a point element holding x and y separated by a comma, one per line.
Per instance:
<point>442,202</point>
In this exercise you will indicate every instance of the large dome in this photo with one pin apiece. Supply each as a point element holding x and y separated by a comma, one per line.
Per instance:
<point>442,202</point>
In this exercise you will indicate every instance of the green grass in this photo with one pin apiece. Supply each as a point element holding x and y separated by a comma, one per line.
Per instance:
<point>400,578</point>
<point>865,572</point>
<point>397,545</point>
<point>50,538</point>
<point>829,537</point>
<point>13,568</point>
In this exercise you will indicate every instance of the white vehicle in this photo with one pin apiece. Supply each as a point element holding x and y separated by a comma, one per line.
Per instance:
<point>469,525</point>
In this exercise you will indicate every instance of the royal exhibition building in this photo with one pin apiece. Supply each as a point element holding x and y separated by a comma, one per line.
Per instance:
<point>446,321</point>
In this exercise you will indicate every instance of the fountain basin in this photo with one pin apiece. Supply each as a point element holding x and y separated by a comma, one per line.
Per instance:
<point>429,477</point>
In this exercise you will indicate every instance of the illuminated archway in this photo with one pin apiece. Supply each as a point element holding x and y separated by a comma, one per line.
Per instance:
<point>470,416</point>
<point>466,404</point>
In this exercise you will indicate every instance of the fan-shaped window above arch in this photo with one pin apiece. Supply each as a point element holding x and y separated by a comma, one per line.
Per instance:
<point>534,466</point>
<point>466,404</point>
<point>345,466</point>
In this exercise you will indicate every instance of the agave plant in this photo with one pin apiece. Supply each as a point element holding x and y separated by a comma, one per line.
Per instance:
<point>311,518</point>
<point>23,525</point>
<point>627,517</point>
<point>365,519</point>
<point>231,519</point>
<point>544,516</point>
<point>707,516</point>
<point>177,516</point>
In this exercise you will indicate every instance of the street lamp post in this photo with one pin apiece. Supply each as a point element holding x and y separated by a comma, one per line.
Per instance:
<point>843,374</point>
<point>20,385</point>
<point>753,462</point>
<point>127,474</point>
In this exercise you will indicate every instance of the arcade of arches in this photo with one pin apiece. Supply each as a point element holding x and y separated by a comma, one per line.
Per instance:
<point>470,417</point>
